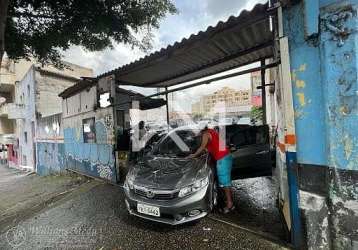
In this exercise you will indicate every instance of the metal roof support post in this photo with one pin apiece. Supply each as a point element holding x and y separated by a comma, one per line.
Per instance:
<point>263,91</point>
<point>290,145</point>
<point>167,105</point>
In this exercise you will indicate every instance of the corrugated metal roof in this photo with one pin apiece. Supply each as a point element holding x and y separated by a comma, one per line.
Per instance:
<point>144,104</point>
<point>238,41</point>
<point>78,87</point>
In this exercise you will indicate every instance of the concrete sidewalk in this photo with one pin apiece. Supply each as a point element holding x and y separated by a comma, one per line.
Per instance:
<point>23,193</point>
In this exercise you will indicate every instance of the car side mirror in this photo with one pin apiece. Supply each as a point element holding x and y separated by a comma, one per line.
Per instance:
<point>154,148</point>
<point>148,148</point>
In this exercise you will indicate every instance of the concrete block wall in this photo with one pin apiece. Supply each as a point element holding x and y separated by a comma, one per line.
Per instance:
<point>94,159</point>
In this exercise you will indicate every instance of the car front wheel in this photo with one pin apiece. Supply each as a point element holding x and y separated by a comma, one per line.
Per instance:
<point>213,198</point>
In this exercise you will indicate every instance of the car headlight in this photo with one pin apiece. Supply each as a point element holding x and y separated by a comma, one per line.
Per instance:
<point>128,184</point>
<point>197,185</point>
<point>125,185</point>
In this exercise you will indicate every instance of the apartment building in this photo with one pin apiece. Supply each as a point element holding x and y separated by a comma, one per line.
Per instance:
<point>256,94</point>
<point>233,99</point>
<point>10,73</point>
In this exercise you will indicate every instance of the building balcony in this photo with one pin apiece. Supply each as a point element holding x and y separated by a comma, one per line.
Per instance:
<point>12,111</point>
<point>4,111</point>
<point>7,83</point>
<point>16,111</point>
<point>7,78</point>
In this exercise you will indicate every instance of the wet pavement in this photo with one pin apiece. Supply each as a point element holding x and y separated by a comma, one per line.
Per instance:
<point>93,216</point>
<point>23,193</point>
<point>255,203</point>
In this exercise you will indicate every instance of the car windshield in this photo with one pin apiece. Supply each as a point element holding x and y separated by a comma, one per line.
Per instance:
<point>179,143</point>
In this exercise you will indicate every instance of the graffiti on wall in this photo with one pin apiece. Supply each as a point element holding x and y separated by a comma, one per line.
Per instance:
<point>105,172</point>
<point>101,132</point>
<point>95,159</point>
<point>50,158</point>
<point>108,121</point>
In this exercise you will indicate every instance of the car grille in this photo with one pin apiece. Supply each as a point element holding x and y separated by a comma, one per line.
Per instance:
<point>156,195</point>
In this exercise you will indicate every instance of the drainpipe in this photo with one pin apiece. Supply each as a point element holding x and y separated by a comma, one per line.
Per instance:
<point>167,106</point>
<point>263,91</point>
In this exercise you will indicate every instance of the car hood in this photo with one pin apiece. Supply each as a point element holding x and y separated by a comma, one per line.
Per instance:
<point>167,172</point>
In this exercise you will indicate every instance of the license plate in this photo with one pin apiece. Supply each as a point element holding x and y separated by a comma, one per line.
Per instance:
<point>149,210</point>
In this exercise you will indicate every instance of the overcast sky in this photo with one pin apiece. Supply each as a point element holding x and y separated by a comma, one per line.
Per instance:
<point>194,16</point>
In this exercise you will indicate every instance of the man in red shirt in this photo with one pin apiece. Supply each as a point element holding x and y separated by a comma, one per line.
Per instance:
<point>211,141</point>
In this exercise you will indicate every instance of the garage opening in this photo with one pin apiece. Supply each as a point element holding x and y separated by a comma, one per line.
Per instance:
<point>243,45</point>
<point>255,183</point>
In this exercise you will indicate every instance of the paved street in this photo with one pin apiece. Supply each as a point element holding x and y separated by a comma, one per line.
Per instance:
<point>88,214</point>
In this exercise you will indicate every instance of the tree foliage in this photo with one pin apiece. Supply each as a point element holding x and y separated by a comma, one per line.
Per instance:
<point>256,113</point>
<point>41,28</point>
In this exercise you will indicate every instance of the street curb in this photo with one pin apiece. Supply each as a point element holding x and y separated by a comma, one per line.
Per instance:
<point>46,203</point>
<point>95,178</point>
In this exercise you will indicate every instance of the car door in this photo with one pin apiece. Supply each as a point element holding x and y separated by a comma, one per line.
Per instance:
<point>251,152</point>
<point>240,151</point>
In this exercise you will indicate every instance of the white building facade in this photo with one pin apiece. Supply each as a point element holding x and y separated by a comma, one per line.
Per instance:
<point>36,96</point>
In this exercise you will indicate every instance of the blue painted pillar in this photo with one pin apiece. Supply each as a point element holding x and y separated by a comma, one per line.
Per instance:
<point>307,104</point>
<point>307,87</point>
